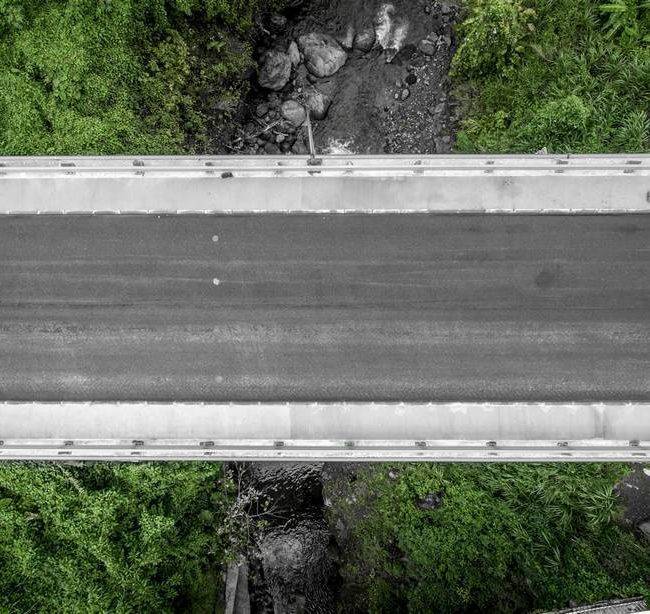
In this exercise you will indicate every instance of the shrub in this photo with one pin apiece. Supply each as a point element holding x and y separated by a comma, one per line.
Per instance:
<point>110,538</point>
<point>627,19</point>
<point>120,76</point>
<point>575,88</point>
<point>492,37</point>
<point>502,538</point>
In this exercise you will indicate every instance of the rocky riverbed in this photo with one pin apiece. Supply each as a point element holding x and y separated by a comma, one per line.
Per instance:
<point>370,76</point>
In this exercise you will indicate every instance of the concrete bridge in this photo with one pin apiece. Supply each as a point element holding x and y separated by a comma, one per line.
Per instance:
<point>349,307</point>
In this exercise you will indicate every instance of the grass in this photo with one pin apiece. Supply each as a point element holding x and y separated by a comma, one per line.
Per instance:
<point>112,537</point>
<point>502,538</point>
<point>121,76</point>
<point>568,75</point>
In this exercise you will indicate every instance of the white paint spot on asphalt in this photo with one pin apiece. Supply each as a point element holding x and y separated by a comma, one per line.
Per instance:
<point>215,238</point>
<point>216,281</point>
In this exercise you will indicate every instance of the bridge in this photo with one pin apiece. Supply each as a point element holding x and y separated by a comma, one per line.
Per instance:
<point>344,308</point>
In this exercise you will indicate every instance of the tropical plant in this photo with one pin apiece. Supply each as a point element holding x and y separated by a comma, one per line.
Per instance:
<point>627,19</point>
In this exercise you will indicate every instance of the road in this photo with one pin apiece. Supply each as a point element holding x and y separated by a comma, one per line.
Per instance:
<point>295,307</point>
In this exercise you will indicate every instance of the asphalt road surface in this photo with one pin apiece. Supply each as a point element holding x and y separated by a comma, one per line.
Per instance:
<point>325,307</point>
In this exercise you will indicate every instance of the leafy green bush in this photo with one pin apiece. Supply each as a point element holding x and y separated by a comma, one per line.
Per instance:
<point>627,19</point>
<point>502,538</point>
<point>577,85</point>
<point>120,76</point>
<point>110,538</point>
<point>492,37</point>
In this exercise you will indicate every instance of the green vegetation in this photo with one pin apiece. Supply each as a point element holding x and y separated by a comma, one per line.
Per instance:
<point>500,538</point>
<point>112,537</point>
<point>568,75</point>
<point>165,77</point>
<point>120,76</point>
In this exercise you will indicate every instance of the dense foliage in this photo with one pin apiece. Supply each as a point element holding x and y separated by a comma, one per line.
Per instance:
<point>499,538</point>
<point>111,538</point>
<point>120,76</point>
<point>568,75</point>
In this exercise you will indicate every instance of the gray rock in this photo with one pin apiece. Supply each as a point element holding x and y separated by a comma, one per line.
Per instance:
<point>441,146</point>
<point>279,138</point>
<point>317,102</point>
<point>405,94</point>
<point>431,501</point>
<point>275,70</point>
<point>428,45</point>
<point>302,75</point>
<point>644,527</point>
<point>297,566</point>
<point>446,9</point>
<point>323,55</point>
<point>262,109</point>
<point>299,148</point>
<point>293,112</point>
<point>278,22</point>
<point>294,53</point>
<point>347,40</point>
<point>274,100</point>
<point>444,42</point>
<point>271,148</point>
<point>364,40</point>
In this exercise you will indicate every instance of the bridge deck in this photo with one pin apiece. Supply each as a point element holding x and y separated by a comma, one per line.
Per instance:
<point>325,307</point>
<point>353,308</point>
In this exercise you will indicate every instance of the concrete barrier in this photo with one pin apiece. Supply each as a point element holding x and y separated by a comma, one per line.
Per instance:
<point>334,183</point>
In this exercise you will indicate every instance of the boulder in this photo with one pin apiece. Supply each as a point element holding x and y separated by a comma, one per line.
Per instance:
<point>347,40</point>
<point>317,102</point>
<point>274,100</point>
<point>293,112</point>
<point>275,70</point>
<point>431,501</point>
<point>444,42</point>
<point>294,53</point>
<point>364,40</point>
<point>278,22</point>
<point>323,55</point>
<point>271,149</point>
<point>299,148</point>
<point>428,46</point>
